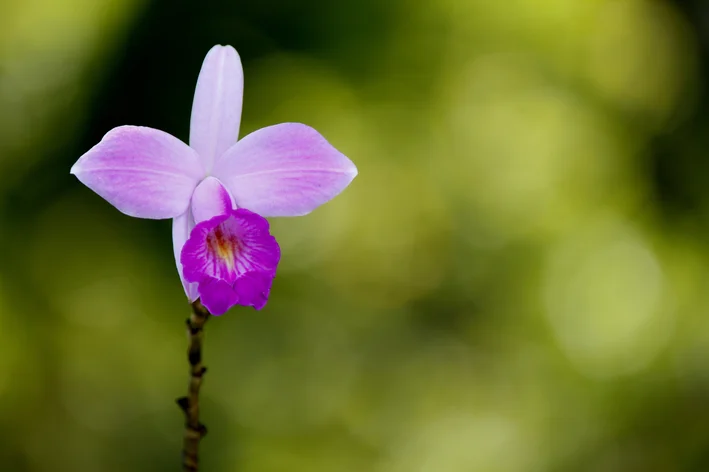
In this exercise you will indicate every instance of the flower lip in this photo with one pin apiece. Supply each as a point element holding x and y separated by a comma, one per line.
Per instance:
<point>233,259</point>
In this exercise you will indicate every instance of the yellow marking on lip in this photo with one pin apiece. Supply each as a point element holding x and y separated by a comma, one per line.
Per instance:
<point>224,247</point>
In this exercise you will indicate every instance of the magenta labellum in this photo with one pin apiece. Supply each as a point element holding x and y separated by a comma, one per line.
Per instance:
<point>233,259</point>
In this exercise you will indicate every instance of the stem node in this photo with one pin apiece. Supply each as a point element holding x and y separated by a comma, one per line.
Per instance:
<point>194,430</point>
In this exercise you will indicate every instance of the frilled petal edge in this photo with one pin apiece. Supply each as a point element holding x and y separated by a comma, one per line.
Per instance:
<point>233,259</point>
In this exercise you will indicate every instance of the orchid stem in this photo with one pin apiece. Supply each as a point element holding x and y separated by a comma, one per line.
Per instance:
<point>194,430</point>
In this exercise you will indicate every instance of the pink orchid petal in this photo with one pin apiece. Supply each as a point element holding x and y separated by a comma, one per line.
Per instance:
<point>284,170</point>
<point>143,172</point>
<point>216,110</point>
<point>210,199</point>
<point>233,258</point>
<point>181,228</point>
<point>218,296</point>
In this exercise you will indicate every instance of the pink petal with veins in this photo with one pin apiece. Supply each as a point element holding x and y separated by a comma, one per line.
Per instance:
<point>233,258</point>
<point>216,110</point>
<point>143,172</point>
<point>284,170</point>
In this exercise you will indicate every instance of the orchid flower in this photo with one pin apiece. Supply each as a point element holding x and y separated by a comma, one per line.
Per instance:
<point>218,190</point>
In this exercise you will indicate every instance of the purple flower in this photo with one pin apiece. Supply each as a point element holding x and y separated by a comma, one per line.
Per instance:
<point>218,190</point>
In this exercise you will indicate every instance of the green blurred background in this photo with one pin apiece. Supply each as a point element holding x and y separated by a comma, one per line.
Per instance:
<point>517,280</point>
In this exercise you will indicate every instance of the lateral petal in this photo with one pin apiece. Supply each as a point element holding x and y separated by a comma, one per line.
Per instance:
<point>284,170</point>
<point>143,172</point>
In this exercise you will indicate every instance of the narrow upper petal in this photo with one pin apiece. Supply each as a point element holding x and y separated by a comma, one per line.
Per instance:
<point>143,172</point>
<point>216,110</point>
<point>210,199</point>
<point>181,228</point>
<point>284,170</point>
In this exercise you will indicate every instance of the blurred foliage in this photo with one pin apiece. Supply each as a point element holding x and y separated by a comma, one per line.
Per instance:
<point>516,280</point>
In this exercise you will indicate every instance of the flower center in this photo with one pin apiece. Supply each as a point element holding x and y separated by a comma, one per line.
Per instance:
<point>224,246</point>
